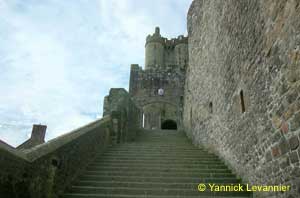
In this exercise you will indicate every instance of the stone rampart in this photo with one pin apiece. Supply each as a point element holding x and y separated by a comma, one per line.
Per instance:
<point>242,87</point>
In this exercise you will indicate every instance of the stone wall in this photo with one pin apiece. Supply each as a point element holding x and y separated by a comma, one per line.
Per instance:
<point>13,166</point>
<point>46,170</point>
<point>242,87</point>
<point>125,114</point>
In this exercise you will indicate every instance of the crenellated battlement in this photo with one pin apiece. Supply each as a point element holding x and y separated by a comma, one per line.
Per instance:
<point>162,52</point>
<point>157,38</point>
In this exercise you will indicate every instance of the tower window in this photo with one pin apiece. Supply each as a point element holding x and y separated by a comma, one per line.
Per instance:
<point>242,101</point>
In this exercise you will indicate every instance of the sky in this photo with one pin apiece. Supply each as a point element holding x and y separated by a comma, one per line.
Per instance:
<point>58,59</point>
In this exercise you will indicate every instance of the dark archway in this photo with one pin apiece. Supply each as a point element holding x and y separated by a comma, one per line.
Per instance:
<point>169,124</point>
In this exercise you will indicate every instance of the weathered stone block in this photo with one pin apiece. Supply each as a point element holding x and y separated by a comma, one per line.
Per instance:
<point>276,137</point>
<point>284,147</point>
<point>280,110</point>
<point>294,157</point>
<point>284,127</point>
<point>276,121</point>
<point>295,122</point>
<point>275,151</point>
<point>294,142</point>
<point>268,156</point>
<point>291,96</point>
<point>289,113</point>
<point>284,162</point>
<point>275,167</point>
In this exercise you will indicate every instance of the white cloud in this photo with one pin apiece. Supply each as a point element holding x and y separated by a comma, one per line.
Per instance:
<point>58,59</point>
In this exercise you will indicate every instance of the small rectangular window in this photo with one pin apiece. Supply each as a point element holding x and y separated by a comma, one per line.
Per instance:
<point>210,107</point>
<point>242,101</point>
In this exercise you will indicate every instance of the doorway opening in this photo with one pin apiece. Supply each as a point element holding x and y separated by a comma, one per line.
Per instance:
<point>169,125</point>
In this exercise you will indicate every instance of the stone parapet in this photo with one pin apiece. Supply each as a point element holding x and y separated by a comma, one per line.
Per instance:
<point>46,170</point>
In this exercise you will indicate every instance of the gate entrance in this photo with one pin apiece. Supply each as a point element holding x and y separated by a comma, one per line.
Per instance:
<point>169,125</point>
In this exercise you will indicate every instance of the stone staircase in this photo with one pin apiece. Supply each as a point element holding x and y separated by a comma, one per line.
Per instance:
<point>160,164</point>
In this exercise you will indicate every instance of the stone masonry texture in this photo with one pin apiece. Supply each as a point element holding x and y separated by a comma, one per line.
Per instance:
<point>242,86</point>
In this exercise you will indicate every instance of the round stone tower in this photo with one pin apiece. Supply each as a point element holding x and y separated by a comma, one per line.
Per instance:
<point>181,51</point>
<point>154,57</point>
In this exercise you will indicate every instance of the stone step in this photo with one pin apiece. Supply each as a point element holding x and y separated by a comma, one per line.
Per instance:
<point>142,153</point>
<point>206,166</point>
<point>154,166</point>
<point>159,163</point>
<point>161,133</point>
<point>149,191</point>
<point>162,138</point>
<point>147,144</point>
<point>153,157</point>
<point>170,148</point>
<point>159,174</point>
<point>77,195</point>
<point>157,160</point>
<point>157,152</point>
<point>167,137</point>
<point>156,155</point>
<point>158,179</point>
<point>152,147</point>
<point>166,149</point>
<point>158,169</point>
<point>187,185</point>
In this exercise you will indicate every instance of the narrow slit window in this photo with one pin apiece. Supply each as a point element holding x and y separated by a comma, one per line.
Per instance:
<point>210,107</point>
<point>242,101</point>
<point>191,117</point>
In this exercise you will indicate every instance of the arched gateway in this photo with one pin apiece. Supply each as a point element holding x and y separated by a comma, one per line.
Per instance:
<point>169,125</point>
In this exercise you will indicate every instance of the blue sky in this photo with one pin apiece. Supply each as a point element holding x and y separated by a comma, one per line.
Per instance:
<point>58,59</point>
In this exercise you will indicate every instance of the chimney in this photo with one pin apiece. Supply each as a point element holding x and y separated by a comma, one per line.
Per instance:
<point>38,133</point>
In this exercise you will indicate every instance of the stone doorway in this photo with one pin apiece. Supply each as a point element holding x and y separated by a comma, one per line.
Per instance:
<point>169,125</point>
